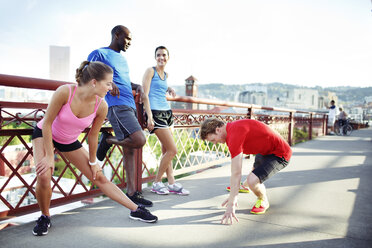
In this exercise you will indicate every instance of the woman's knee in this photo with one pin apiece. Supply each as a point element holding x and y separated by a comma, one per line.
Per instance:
<point>100,179</point>
<point>44,180</point>
<point>172,152</point>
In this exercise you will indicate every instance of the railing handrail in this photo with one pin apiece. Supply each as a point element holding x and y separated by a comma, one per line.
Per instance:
<point>47,84</point>
<point>198,100</point>
<point>30,83</point>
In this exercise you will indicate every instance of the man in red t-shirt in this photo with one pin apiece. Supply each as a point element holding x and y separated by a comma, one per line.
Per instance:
<point>248,137</point>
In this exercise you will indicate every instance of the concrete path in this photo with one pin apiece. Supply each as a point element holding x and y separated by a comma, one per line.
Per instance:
<point>322,199</point>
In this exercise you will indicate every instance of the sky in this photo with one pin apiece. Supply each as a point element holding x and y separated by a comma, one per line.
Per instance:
<point>301,42</point>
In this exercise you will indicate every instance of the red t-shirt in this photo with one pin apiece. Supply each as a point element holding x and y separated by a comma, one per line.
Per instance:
<point>253,137</point>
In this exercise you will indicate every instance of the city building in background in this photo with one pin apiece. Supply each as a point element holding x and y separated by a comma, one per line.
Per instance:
<point>253,95</point>
<point>59,63</point>
<point>191,90</point>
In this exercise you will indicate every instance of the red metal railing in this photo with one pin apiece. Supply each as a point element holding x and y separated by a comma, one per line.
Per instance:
<point>17,180</point>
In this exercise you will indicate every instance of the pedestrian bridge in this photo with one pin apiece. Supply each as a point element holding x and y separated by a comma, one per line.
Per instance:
<point>322,199</point>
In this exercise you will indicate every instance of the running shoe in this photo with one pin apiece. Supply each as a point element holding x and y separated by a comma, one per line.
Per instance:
<point>259,208</point>
<point>242,189</point>
<point>178,189</point>
<point>103,146</point>
<point>159,188</point>
<point>138,199</point>
<point>42,226</point>
<point>142,214</point>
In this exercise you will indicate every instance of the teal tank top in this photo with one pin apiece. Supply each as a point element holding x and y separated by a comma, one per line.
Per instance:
<point>158,90</point>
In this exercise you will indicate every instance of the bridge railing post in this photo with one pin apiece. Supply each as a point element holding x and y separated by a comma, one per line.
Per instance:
<point>311,126</point>
<point>291,128</point>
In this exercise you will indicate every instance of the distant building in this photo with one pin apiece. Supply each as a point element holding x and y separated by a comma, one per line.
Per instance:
<point>368,99</point>
<point>356,113</point>
<point>13,94</point>
<point>253,95</point>
<point>59,63</point>
<point>302,98</point>
<point>191,90</point>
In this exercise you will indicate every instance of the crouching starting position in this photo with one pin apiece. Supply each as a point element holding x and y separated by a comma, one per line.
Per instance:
<point>248,137</point>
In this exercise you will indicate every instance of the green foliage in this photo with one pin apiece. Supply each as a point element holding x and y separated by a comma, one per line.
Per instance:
<point>15,140</point>
<point>59,166</point>
<point>300,135</point>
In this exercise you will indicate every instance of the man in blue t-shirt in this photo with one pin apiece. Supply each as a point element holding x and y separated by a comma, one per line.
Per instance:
<point>122,109</point>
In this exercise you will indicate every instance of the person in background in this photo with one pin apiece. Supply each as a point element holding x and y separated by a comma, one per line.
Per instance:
<point>332,115</point>
<point>342,116</point>
<point>160,121</point>
<point>72,109</point>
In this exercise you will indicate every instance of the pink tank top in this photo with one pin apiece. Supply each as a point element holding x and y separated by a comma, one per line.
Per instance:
<point>66,128</point>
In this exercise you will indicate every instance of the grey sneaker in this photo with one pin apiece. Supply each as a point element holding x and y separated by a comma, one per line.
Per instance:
<point>178,189</point>
<point>159,188</point>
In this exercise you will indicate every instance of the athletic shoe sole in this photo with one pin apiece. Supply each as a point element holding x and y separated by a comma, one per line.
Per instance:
<point>177,193</point>
<point>42,234</point>
<point>159,192</point>
<point>260,212</point>
<point>240,190</point>
<point>147,221</point>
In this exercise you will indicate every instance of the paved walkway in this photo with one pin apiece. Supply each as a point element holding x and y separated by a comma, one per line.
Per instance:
<point>322,199</point>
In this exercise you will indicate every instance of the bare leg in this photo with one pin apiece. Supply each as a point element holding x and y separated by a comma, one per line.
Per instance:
<point>43,186</point>
<point>169,151</point>
<point>259,189</point>
<point>130,170</point>
<point>80,159</point>
<point>134,141</point>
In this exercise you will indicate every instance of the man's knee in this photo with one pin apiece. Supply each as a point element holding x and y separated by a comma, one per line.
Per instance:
<point>138,139</point>
<point>252,180</point>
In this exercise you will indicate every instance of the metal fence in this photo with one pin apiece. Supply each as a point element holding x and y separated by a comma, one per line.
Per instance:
<point>17,170</point>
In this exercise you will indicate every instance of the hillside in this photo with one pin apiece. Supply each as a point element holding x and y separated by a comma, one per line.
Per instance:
<point>346,94</point>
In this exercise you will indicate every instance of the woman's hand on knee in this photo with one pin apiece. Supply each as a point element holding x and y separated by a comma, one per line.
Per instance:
<point>95,169</point>
<point>44,165</point>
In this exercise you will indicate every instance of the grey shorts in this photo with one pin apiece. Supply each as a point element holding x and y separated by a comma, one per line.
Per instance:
<point>123,120</point>
<point>265,166</point>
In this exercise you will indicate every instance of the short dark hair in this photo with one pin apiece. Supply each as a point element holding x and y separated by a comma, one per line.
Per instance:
<point>209,127</point>
<point>119,29</point>
<point>161,47</point>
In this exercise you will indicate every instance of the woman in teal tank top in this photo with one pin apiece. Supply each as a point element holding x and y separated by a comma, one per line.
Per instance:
<point>160,121</point>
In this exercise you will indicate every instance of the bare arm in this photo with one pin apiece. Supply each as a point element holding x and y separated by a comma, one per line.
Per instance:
<point>139,90</point>
<point>232,202</point>
<point>93,136</point>
<point>59,98</point>
<point>170,90</point>
<point>146,83</point>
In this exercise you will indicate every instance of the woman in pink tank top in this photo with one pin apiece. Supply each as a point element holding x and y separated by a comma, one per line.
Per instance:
<point>72,109</point>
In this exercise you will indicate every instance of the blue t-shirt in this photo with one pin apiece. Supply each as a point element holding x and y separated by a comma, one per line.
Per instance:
<point>158,90</point>
<point>121,75</point>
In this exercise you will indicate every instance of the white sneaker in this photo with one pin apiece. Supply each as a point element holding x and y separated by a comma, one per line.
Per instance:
<point>159,188</point>
<point>178,189</point>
